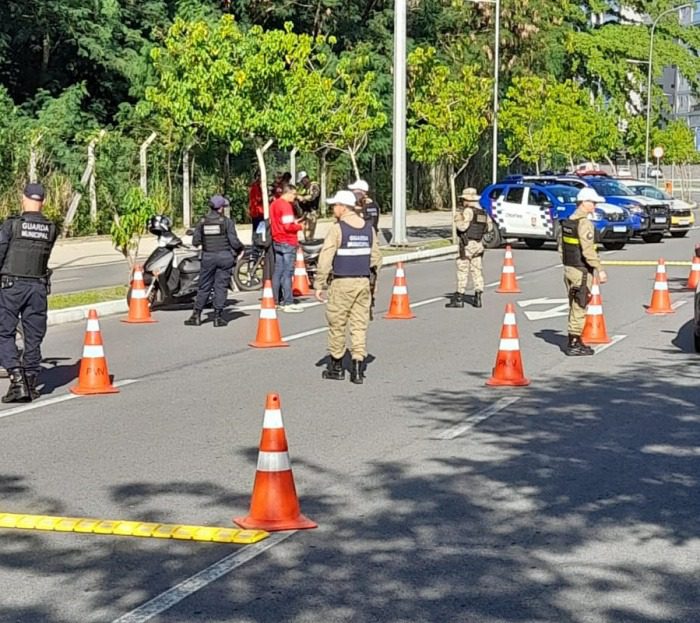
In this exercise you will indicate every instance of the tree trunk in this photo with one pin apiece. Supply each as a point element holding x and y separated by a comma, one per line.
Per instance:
<point>186,199</point>
<point>323,181</point>
<point>260,154</point>
<point>143,160</point>
<point>293,164</point>
<point>77,194</point>
<point>437,183</point>
<point>353,158</point>
<point>453,201</point>
<point>33,158</point>
<point>92,187</point>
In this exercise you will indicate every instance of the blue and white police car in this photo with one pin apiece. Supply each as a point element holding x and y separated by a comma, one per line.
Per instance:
<point>530,212</point>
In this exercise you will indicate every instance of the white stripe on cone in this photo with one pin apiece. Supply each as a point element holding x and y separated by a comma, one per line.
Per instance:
<point>267,293</point>
<point>509,269</point>
<point>272,419</point>
<point>138,294</point>
<point>300,271</point>
<point>93,326</point>
<point>595,310</point>
<point>273,462</point>
<point>509,319</point>
<point>400,272</point>
<point>595,290</point>
<point>509,344</point>
<point>93,352</point>
<point>400,290</point>
<point>661,285</point>
<point>138,276</point>
<point>268,314</point>
<point>661,268</point>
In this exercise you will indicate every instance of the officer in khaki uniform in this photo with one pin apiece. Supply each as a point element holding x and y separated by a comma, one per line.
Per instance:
<point>580,259</point>
<point>349,255</point>
<point>472,223</point>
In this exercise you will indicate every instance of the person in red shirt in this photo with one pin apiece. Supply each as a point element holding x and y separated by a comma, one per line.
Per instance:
<point>255,202</point>
<point>284,227</point>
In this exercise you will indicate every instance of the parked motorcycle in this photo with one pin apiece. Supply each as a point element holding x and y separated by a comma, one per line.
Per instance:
<point>248,273</point>
<point>171,272</point>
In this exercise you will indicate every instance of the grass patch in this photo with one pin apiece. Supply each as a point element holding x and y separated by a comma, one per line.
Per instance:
<point>86,297</point>
<point>420,246</point>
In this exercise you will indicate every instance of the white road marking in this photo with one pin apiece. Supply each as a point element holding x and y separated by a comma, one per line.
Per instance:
<point>678,304</point>
<point>599,348</point>
<point>541,301</point>
<point>428,301</point>
<point>298,336</point>
<point>197,582</point>
<point>554,312</point>
<point>30,406</point>
<point>66,279</point>
<point>256,306</point>
<point>477,418</point>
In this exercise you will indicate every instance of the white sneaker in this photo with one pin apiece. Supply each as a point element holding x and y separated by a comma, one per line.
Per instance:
<point>292,309</point>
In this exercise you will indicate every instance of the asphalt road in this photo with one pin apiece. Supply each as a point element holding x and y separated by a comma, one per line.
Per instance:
<point>77,278</point>
<point>438,499</point>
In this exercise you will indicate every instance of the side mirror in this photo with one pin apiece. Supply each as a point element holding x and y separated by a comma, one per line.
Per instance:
<point>189,232</point>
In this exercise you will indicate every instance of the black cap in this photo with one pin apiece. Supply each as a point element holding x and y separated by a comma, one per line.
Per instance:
<point>218,202</point>
<point>34,191</point>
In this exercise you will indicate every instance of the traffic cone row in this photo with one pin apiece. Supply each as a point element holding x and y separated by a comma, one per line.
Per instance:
<point>300,284</point>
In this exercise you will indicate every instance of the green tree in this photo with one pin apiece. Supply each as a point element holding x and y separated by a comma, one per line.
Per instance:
<point>129,223</point>
<point>447,113</point>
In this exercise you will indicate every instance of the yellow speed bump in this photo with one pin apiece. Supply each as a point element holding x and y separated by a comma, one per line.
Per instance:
<point>131,528</point>
<point>644,263</point>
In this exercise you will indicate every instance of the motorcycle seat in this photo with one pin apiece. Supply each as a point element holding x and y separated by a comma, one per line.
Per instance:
<point>312,246</point>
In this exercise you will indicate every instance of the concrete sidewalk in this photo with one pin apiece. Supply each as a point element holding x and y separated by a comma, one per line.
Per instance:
<point>91,251</point>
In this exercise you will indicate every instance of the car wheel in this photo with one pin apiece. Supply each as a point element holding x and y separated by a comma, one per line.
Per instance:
<point>679,234</point>
<point>652,238</point>
<point>614,246</point>
<point>492,239</point>
<point>534,243</point>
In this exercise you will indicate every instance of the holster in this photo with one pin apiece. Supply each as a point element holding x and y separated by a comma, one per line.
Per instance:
<point>372,283</point>
<point>580,293</point>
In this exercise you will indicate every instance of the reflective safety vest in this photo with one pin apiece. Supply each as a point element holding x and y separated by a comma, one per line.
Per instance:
<point>30,247</point>
<point>353,257</point>
<point>477,228</point>
<point>571,244</point>
<point>214,237</point>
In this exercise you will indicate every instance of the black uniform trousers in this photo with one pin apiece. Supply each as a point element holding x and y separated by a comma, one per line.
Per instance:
<point>215,274</point>
<point>25,299</point>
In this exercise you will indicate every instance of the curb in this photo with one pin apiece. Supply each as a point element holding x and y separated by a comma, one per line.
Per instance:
<point>110,308</point>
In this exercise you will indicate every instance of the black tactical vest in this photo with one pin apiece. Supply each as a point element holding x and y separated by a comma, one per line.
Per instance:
<point>353,257</point>
<point>310,206</point>
<point>214,237</point>
<point>571,244</point>
<point>30,247</point>
<point>477,228</point>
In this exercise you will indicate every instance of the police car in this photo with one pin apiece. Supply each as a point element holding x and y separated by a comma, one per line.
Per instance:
<point>530,212</point>
<point>652,218</point>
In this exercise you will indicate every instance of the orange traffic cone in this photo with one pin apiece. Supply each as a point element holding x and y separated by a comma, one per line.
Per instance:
<point>509,284</point>
<point>94,377</point>
<point>268,335</point>
<point>660,299</point>
<point>509,365</point>
<point>694,277</point>
<point>274,504</point>
<point>400,307</point>
<point>139,309</point>
<point>594,331</point>
<point>300,284</point>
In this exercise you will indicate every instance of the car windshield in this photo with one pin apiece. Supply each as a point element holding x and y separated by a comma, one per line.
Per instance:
<point>650,191</point>
<point>565,194</point>
<point>609,187</point>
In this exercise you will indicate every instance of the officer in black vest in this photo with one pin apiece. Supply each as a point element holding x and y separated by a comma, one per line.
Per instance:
<point>25,246</point>
<point>580,259</point>
<point>472,223</point>
<point>217,236</point>
<point>349,254</point>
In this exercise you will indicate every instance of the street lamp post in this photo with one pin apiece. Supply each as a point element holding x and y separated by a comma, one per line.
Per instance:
<point>398,220</point>
<point>651,52</point>
<point>496,68</point>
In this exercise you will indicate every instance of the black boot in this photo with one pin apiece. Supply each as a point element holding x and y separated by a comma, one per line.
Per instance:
<point>576,348</point>
<point>477,299</point>
<point>335,371</point>
<point>456,300</point>
<point>357,372</point>
<point>219,320</point>
<point>18,390</point>
<point>32,382</point>
<point>195,319</point>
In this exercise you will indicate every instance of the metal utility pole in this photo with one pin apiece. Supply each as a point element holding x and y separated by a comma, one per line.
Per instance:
<point>399,170</point>
<point>496,63</point>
